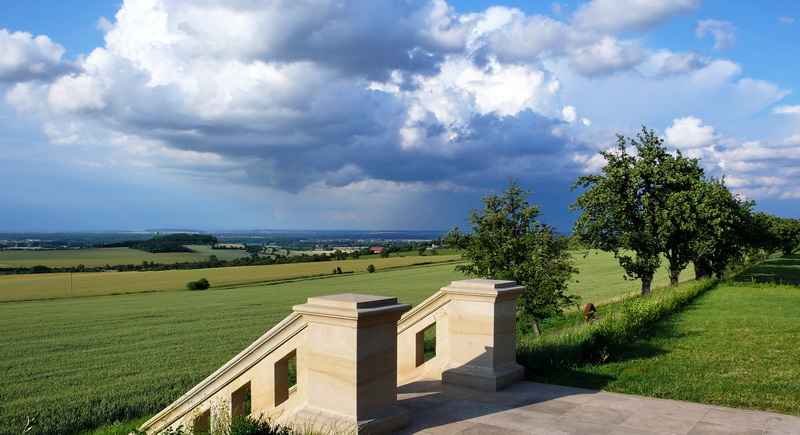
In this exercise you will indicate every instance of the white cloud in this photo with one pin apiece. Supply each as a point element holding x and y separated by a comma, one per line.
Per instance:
<point>24,57</point>
<point>606,56</point>
<point>786,110</point>
<point>723,32</point>
<point>627,15</point>
<point>689,132</point>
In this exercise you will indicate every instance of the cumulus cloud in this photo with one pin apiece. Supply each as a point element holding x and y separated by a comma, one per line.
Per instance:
<point>629,15</point>
<point>722,31</point>
<point>24,58</point>
<point>689,132</point>
<point>328,96</point>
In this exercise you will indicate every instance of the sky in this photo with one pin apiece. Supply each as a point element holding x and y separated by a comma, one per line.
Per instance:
<point>377,115</point>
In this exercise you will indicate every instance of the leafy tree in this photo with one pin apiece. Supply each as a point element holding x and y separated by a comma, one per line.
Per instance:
<point>509,243</point>
<point>788,234</point>
<point>723,224</point>
<point>640,207</point>
<point>456,239</point>
<point>371,268</point>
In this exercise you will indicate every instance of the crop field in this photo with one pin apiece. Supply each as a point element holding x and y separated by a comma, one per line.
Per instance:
<point>602,279</point>
<point>98,257</point>
<point>65,285</point>
<point>76,363</point>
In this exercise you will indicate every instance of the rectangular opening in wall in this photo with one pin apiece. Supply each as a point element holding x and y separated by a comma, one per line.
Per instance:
<point>293,371</point>
<point>285,376</point>
<point>202,423</point>
<point>240,401</point>
<point>426,344</point>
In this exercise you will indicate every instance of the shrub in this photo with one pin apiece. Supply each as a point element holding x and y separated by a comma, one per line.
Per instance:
<point>371,268</point>
<point>246,425</point>
<point>200,284</point>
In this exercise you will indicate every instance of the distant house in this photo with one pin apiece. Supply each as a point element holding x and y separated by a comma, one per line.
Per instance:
<point>376,249</point>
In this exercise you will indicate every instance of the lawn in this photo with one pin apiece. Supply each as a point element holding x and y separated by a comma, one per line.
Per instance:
<point>734,346</point>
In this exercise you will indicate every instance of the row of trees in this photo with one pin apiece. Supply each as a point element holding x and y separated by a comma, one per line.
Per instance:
<point>645,205</point>
<point>650,204</point>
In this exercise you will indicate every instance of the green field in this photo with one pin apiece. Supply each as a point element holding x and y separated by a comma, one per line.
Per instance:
<point>99,257</point>
<point>65,285</point>
<point>600,278</point>
<point>81,362</point>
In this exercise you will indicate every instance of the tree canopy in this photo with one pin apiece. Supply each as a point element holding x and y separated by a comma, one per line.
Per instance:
<point>509,243</point>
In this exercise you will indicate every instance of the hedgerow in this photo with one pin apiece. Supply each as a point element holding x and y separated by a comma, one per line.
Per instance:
<point>628,320</point>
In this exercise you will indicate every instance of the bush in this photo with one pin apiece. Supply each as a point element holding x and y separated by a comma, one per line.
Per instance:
<point>371,268</point>
<point>200,284</point>
<point>246,425</point>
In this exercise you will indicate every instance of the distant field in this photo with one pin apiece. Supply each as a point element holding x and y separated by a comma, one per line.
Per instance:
<point>66,285</point>
<point>98,257</point>
<point>600,278</point>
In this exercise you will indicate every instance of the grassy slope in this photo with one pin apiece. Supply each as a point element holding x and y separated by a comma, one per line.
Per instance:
<point>735,346</point>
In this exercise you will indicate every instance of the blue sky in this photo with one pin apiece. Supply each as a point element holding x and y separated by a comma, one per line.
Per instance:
<point>376,115</point>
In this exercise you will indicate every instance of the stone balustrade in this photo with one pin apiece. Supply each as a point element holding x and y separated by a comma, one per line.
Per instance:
<point>351,352</point>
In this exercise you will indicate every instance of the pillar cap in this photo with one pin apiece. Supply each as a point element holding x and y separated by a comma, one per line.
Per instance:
<point>351,306</point>
<point>499,290</point>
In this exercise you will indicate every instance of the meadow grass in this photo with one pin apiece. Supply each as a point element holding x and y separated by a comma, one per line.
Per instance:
<point>66,285</point>
<point>781,270</point>
<point>735,346</point>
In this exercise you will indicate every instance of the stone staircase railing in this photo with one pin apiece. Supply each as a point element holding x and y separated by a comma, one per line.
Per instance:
<point>348,365</point>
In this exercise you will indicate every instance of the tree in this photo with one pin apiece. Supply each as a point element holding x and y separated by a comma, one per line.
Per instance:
<point>640,207</point>
<point>724,222</point>
<point>508,243</point>
<point>788,234</point>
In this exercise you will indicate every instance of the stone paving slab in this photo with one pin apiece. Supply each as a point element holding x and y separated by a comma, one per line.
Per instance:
<point>534,408</point>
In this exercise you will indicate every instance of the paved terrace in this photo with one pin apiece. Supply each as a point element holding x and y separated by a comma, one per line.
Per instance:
<point>533,408</point>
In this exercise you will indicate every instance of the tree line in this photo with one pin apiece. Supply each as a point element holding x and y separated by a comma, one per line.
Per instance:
<point>168,243</point>
<point>646,204</point>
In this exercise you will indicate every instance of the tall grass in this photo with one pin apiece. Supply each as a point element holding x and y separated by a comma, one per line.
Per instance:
<point>627,320</point>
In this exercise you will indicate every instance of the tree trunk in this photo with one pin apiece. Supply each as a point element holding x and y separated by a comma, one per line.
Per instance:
<point>673,276</point>
<point>702,268</point>
<point>646,285</point>
<point>536,328</point>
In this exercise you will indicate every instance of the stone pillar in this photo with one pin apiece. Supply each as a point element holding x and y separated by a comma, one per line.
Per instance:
<point>352,364</point>
<point>482,334</point>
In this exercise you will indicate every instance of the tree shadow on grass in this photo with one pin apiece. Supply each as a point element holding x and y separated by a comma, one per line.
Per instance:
<point>582,373</point>
<point>783,270</point>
